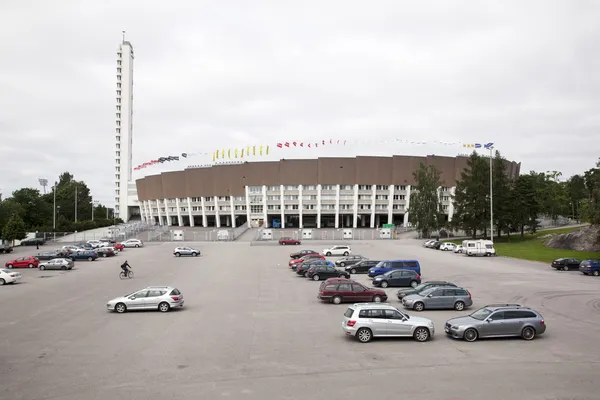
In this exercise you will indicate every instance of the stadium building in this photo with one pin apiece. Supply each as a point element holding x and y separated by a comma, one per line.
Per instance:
<point>360,192</point>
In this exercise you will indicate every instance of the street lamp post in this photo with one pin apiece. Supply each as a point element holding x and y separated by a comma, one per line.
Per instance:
<point>75,203</point>
<point>54,210</point>
<point>491,196</point>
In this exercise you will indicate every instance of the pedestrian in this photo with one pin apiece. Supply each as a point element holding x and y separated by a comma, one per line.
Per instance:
<point>37,245</point>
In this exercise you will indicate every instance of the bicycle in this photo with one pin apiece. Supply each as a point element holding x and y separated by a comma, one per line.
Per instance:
<point>129,275</point>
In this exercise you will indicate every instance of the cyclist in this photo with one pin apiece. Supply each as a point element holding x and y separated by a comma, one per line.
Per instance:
<point>126,267</point>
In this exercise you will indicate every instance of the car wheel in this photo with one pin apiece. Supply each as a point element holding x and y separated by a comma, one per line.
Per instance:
<point>137,245</point>
<point>104,255</point>
<point>298,244</point>
<point>418,306</point>
<point>120,308</point>
<point>364,335</point>
<point>30,265</point>
<point>177,254</point>
<point>306,274</point>
<point>342,264</point>
<point>528,333</point>
<point>353,271</point>
<point>596,273</point>
<point>63,268</point>
<point>2,281</point>
<point>328,254</point>
<point>384,284</point>
<point>164,306</point>
<point>316,277</point>
<point>90,259</point>
<point>376,299</point>
<point>9,265</point>
<point>421,334</point>
<point>459,306</point>
<point>194,254</point>
<point>283,243</point>
<point>336,300</point>
<point>345,253</point>
<point>414,284</point>
<point>42,268</point>
<point>471,335</point>
<point>565,268</point>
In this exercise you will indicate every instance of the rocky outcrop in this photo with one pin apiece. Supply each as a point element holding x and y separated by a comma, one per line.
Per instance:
<point>584,239</point>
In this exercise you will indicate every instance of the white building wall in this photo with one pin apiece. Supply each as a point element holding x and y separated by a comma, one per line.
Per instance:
<point>300,207</point>
<point>179,218</point>
<point>318,206</point>
<point>355,208</point>
<point>189,205</point>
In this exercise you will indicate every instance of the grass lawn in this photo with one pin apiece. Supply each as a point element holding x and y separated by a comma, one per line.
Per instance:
<point>532,247</point>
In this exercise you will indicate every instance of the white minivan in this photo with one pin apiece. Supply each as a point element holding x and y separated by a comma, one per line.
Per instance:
<point>479,248</point>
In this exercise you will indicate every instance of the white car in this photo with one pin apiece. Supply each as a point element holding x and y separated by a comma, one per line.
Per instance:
<point>458,249</point>
<point>337,251</point>
<point>447,246</point>
<point>162,298</point>
<point>133,243</point>
<point>74,249</point>
<point>96,243</point>
<point>8,276</point>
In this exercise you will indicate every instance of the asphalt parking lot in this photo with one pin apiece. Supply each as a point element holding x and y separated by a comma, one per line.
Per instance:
<point>252,329</point>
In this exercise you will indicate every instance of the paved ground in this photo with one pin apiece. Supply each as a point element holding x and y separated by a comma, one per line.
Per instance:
<point>253,330</point>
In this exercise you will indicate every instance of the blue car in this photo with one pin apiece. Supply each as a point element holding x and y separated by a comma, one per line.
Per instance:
<point>590,267</point>
<point>389,265</point>
<point>84,255</point>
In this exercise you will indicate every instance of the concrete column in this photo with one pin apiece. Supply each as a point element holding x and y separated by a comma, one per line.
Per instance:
<point>407,205</point>
<point>179,217</point>
<point>248,207</point>
<point>149,210</point>
<point>217,213</point>
<point>282,205</point>
<point>189,204</point>
<point>355,208</point>
<point>160,220</point>
<point>337,206</point>
<point>300,207</point>
<point>264,202</point>
<point>167,213</point>
<point>391,204</point>
<point>373,195</point>
<point>232,212</point>
<point>228,221</point>
<point>451,205</point>
<point>204,219</point>
<point>319,206</point>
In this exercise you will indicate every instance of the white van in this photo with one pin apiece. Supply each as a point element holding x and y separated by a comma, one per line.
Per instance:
<point>478,248</point>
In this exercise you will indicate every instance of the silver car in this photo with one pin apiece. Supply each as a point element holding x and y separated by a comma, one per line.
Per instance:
<point>439,298</point>
<point>365,321</point>
<point>56,263</point>
<point>161,298</point>
<point>350,260</point>
<point>497,320</point>
<point>185,251</point>
<point>133,243</point>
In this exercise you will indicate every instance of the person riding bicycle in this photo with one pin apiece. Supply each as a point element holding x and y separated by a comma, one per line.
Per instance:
<point>125,267</point>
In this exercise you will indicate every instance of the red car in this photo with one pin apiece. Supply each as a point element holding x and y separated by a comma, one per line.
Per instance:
<point>24,262</point>
<point>288,240</point>
<point>345,290</point>
<point>306,258</point>
<point>118,246</point>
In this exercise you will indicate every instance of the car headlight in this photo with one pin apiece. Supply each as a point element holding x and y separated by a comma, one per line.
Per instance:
<point>454,327</point>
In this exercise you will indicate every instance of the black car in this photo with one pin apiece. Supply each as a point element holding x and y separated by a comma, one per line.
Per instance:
<point>33,242</point>
<point>49,255</point>
<point>566,264</point>
<point>423,286</point>
<point>436,245</point>
<point>397,277</point>
<point>302,253</point>
<point>4,248</point>
<point>362,267</point>
<point>319,272</point>
<point>302,269</point>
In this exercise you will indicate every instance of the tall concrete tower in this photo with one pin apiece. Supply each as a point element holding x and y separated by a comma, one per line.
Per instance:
<point>124,130</point>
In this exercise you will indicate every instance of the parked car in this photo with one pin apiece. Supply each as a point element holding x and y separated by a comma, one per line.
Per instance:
<point>428,243</point>
<point>459,249</point>
<point>85,245</point>
<point>133,243</point>
<point>118,246</point>
<point>73,249</point>
<point>447,246</point>
<point>96,243</point>
<point>162,298</point>
<point>397,277</point>
<point>590,267</point>
<point>365,321</point>
<point>337,251</point>
<point>305,258</point>
<point>362,267</point>
<point>185,251</point>
<point>8,276</point>
<point>565,264</point>
<point>436,245</point>
<point>49,255</point>
<point>350,260</point>
<point>5,249</point>
<point>84,255</point>
<point>337,291</point>
<point>303,253</point>
<point>302,269</point>
<point>23,262</point>
<point>319,272</point>
<point>33,242</point>
<point>441,297</point>
<point>105,252</point>
<point>422,287</point>
<point>288,241</point>
<point>497,320</point>
<point>389,265</point>
<point>57,263</point>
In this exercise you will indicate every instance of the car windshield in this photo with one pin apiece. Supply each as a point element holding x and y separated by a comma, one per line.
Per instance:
<point>481,314</point>
<point>380,264</point>
<point>6,271</point>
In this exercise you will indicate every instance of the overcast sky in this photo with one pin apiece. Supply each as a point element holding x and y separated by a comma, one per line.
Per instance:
<point>214,74</point>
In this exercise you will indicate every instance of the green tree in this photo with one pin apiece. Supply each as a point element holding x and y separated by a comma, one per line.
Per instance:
<point>526,205</point>
<point>424,210</point>
<point>8,208</point>
<point>471,197</point>
<point>576,192</point>
<point>592,184</point>
<point>14,229</point>
<point>501,186</point>
<point>35,210</point>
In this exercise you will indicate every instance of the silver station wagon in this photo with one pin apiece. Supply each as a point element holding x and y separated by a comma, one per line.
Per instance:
<point>443,297</point>
<point>161,298</point>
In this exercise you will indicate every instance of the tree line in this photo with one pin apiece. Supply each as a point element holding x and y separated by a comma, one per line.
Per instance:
<point>28,210</point>
<point>517,204</point>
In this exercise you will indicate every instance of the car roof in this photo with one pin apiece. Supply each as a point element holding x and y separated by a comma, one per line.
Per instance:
<point>501,306</point>
<point>400,260</point>
<point>159,287</point>
<point>360,306</point>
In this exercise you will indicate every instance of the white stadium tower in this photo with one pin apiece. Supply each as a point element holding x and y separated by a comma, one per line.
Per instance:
<point>126,201</point>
